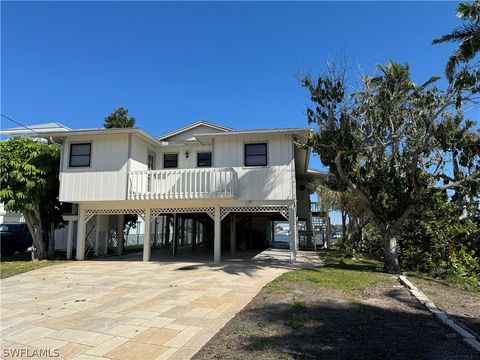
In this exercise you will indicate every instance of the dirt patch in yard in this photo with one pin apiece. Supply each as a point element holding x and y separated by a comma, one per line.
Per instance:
<point>301,320</point>
<point>460,304</point>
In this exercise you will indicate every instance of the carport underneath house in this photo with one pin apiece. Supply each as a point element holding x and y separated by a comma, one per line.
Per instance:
<point>100,229</point>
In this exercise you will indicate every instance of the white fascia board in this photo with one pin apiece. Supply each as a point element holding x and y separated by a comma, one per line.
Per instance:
<point>103,131</point>
<point>299,131</point>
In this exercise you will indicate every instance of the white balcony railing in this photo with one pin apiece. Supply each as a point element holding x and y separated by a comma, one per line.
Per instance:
<point>182,184</point>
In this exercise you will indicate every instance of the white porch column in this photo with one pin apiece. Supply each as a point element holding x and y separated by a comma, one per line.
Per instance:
<point>81,234</point>
<point>292,224</point>
<point>120,229</point>
<point>146,238</point>
<point>69,239</point>
<point>233,234</point>
<point>217,239</point>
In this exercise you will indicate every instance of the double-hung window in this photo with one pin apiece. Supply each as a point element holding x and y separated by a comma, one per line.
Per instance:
<point>80,155</point>
<point>256,154</point>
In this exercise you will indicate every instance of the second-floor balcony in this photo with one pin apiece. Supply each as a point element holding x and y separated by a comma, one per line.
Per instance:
<point>182,184</point>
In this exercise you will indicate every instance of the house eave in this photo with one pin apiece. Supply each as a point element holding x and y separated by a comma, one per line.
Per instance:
<point>60,136</point>
<point>206,137</point>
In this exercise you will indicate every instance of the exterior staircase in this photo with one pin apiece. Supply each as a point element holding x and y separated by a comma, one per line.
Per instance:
<point>318,225</point>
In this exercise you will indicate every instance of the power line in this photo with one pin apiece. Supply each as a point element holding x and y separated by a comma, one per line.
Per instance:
<point>16,122</point>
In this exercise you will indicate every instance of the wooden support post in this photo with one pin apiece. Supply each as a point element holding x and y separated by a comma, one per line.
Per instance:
<point>292,224</point>
<point>80,255</point>
<point>273,231</point>
<point>166,240</point>
<point>70,239</point>
<point>182,237</point>
<point>244,234</point>
<point>120,228</point>
<point>97,235</point>
<point>268,233</point>
<point>217,240</point>
<point>175,234</point>
<point>194,233</point>
<point>233,234</point>
<point>146,237</point>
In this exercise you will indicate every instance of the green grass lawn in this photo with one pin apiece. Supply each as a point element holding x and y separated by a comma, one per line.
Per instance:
<point>347,309</point>
<point>340,272</point>
<point>20,263</point>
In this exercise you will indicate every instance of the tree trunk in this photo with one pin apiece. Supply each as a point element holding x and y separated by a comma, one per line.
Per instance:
<point>344,228</point>
<point>51,241</point>
<point>34,224</point>
<point>390,252</point>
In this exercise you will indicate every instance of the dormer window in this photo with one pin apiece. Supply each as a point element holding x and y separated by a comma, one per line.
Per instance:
<point>256,154</point>
<point>80,155</point>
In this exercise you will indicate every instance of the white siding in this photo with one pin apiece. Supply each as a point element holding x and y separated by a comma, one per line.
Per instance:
<point>140,149</point>
<point>105,179</point>
<point>272,182</point>
<point>183,161</point>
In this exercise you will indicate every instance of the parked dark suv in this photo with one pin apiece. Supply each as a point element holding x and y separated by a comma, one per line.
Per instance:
<point>14,237</point>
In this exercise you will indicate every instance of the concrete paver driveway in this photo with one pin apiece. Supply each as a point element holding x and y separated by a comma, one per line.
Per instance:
<point>129,309</point>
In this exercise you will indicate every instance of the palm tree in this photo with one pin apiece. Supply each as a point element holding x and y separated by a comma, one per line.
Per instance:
<point>468,35</point>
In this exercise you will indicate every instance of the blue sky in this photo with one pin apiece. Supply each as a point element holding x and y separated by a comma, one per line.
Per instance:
<point>173,63</point>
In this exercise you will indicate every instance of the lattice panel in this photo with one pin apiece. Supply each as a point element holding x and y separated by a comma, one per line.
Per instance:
<point>102,244</point>
<point>283,210</point>
<point>208,210</point>
<point>90,234</point>
<point>90,212</point>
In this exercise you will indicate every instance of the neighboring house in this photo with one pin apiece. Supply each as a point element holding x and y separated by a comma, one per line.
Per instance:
<point>202,187</point>
<point>35,132</point>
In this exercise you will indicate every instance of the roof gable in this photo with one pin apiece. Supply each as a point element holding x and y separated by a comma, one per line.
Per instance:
<point>187,132</point>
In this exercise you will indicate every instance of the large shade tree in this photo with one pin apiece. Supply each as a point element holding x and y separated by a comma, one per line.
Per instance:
<point>379,141</point>
<point>29,184</point>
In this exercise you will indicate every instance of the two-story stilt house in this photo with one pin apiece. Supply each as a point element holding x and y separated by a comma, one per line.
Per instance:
<point>202,186</point>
